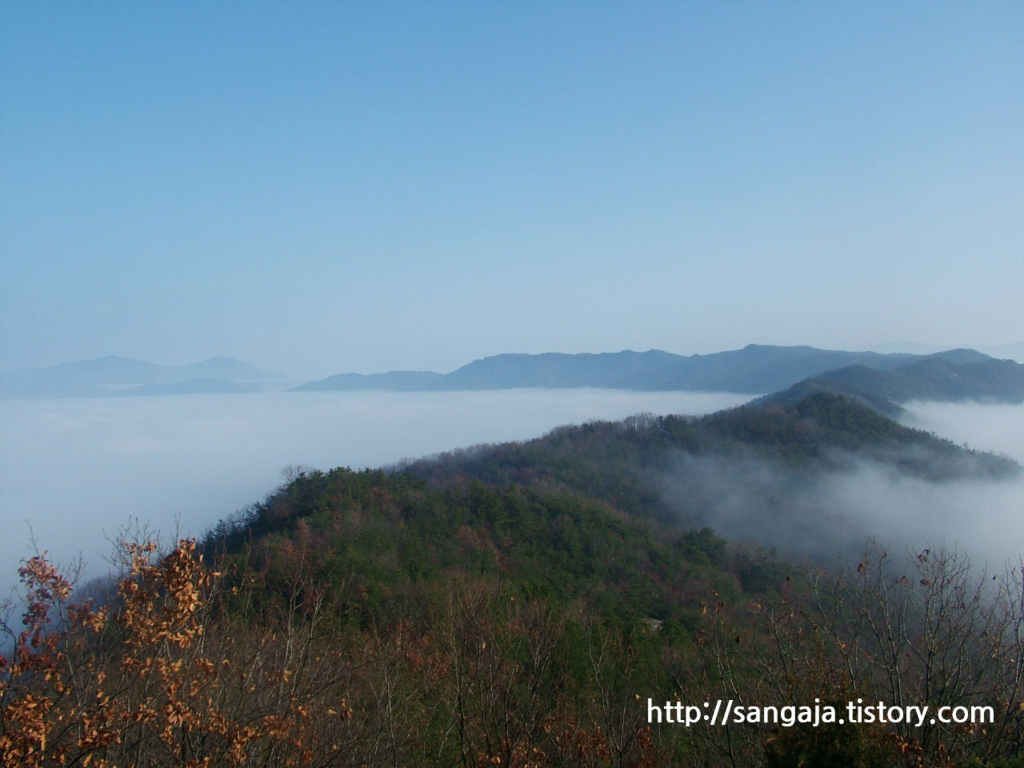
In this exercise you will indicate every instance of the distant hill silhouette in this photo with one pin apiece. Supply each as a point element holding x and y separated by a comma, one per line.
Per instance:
<point>393,381</point>
<point>200,386</point>
<point>612,370</point>
<point>106,375</point>
<point>227,368</point>
<point>946,376</point>
<point>880,381</point>
<point>753,369</point>
<point>1001,351</point>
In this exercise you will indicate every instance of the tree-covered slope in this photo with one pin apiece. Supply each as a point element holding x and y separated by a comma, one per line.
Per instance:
<point>388,536</point>
<point>623,462</point>
<point>580,513</point>
<point>523,605</point>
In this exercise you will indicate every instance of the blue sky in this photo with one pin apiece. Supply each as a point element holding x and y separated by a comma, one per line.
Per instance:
<point>326,187</point>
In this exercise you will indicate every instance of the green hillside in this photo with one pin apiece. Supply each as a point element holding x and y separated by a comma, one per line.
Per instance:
<point>622,462</point>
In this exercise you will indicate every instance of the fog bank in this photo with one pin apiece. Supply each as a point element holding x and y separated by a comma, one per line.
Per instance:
<point>76,468</point>
<point>831,515</point>
<point>996,427</point>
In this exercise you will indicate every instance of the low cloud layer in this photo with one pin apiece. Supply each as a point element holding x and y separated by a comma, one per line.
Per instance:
<point>74,469</point>
<point>77,469</point>
<point>825,516</point>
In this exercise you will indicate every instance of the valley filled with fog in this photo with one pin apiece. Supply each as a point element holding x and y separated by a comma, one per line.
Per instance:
<point>76,470</point>
<point>831,516</point>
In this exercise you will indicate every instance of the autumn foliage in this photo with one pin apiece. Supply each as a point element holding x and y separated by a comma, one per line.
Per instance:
<point>165,676</point>
<point>145,681</point>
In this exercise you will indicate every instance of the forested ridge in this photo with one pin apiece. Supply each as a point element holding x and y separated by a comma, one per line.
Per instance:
<point>518,605</point>
<point>621,462</point>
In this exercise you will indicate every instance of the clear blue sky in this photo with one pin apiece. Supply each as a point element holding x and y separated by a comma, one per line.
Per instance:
<point>327,187</point>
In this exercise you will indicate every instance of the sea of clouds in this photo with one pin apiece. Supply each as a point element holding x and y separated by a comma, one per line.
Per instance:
<point>831,516</point>
<point>72,472</point>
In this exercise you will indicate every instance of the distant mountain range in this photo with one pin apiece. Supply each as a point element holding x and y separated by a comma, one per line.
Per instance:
<point>123,376</point>
<point>1000,351</point>
<point>875,379</point>
<point>392,381</point>
<point>755,368</point>
<point>880,381</point>
<point>200,386</point>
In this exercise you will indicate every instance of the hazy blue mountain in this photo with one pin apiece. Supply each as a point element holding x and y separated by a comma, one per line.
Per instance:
<point>201,386</point>
<point>954,375</point>
<point>109,371</point>
<point>761,368</point>
<point>229,369</point>
<point>613,370</point>
<point>1000,351</point>
<point>104,375</point>
<point>911,347</point>
<point>755,368</point>
<point>393,381</point>
<point>1007,351</point>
